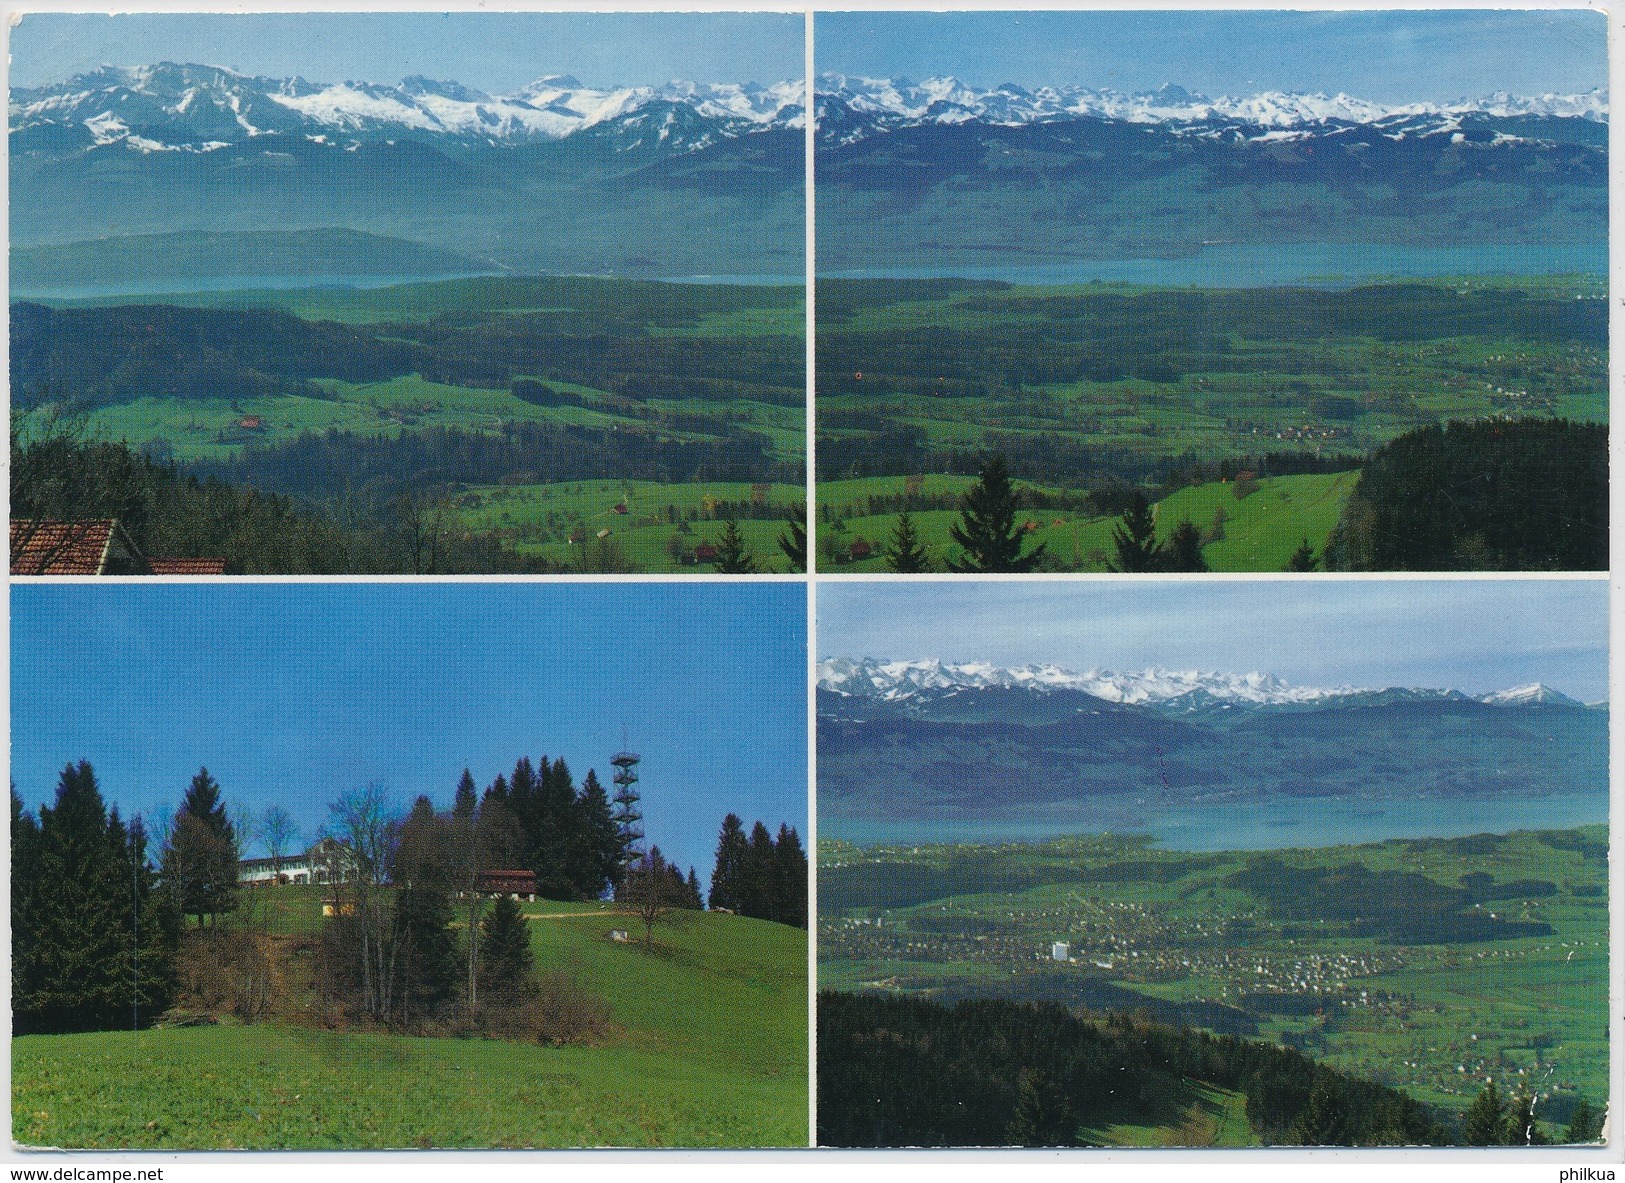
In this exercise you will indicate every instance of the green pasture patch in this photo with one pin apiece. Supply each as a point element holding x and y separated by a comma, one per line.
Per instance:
<point>707,1047</point>
<point>661,522</point>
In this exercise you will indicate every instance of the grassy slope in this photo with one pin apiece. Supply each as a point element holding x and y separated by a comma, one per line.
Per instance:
<point>538,519</point>
<point>709,1049</point>
<point>1261,531</point>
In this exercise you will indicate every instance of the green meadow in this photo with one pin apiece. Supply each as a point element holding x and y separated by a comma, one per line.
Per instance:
<point>706,1046</point>
<point>1256,532</point>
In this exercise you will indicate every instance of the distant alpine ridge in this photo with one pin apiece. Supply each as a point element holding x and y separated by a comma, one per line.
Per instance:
<point>171,107</point>
<point>193,108</point>
<point>1188,690</point>
<point>850,108</point>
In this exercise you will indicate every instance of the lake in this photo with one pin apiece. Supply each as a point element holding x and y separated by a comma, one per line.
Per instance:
<point>1307,821</point>
<point>1236,265</point>
<point>297,283</point>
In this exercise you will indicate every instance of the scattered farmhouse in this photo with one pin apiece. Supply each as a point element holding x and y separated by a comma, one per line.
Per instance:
<point>329,861</point>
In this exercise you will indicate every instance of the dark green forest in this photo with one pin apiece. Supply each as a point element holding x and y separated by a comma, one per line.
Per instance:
<point>895,1071</point>
<point>1486,496</point>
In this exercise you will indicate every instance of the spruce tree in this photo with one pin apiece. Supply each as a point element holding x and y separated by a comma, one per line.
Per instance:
<point>594,848</point>
<point>1135,539</point>
<point>200,857</point>
<point>505,954</point>
<point>733,556</point>
<point>1184,550</point>
<point>790,868</point>
<point>1585,1123</point>
<point>695,899</point>
<point>793,543</point>
<point>987,530</point>
<point>759,882</point>
<point>904,555</point>
<point>553,819</point>
<point>94,949</point>
<point>1303,559</point>
<point>727,878</point>
<point>1485,1123</point>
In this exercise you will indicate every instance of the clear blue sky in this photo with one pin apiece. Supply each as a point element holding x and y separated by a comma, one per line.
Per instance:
<point>1392,56</point>
<point>295,693</point>
<point>1474,636</point>
<point>494,52</point>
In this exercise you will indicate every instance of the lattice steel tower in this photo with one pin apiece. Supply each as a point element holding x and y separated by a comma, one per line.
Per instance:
<point>628,818</point>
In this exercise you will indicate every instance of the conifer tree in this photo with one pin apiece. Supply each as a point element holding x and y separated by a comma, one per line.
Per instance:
<point>505,953</point>
<point>760,877</point>
<point>1485,1123</point>
<point>1042,1117</point>
<point>423,948</point>
<point>733,556</point>
<point>695,899</point>
<point>594,851</point>
<point>1585,1123</point>
<point>790,866</point>
<point>1184,549</point>
<point>200,859</point>
<point>550,839</point>
<point>1304,558</point>
<point>1135,539</point>
<point>727,879</point>
<point>987,530</point>
<point>904,554</point>
<point>793,543</point>
<point>93,951</point>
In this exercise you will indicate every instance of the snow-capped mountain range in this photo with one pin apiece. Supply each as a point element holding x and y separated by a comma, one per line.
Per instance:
<point>202,108</point>
<point>901,103</point>
<point>899,681</point>
<point>199,108</point>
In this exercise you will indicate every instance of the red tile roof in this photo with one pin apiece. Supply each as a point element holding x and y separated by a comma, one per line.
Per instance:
<point>187,566</point>
<point>59,548</point>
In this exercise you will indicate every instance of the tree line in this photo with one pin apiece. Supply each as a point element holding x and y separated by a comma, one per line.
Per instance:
<point>108,932</point>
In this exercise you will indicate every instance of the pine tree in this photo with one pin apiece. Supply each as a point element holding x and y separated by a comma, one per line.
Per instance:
<point>904,555</point>
<point>95,949</point>
<point>758,894</point>
<point>793,544</point>
<point>1485,1123</point>
<point>733,556</point>
<point>987,530</point>
<point>1042,1116</point>
<point>595,842</point>
<point>1585,1123</point>
<point>790,875</point>
<point>1184,549</point>
<point>200,859</point>
<point>727,879</point>
<point>1135,539</point>
<point>1304,558</point>
<point>505,953</point>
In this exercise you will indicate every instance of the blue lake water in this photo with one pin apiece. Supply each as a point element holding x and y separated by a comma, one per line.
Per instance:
<point>295,283</point>
<point>1233,265</point>
<point>1299,822</point>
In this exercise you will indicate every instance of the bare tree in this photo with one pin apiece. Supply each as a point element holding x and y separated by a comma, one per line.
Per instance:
<point>280,833</point>
<point>366,826</point>
<point>650,890</point>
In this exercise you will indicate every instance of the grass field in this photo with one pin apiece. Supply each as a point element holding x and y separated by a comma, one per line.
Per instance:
<point>1258,532</point>
<point>661,523</point>
<point>708,1047</point>
<point>1434,1018</point>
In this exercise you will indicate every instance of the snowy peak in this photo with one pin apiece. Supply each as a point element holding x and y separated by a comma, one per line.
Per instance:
<point>885,104</point>
<point>1186,692</point>
<point>1534,694</point>
<point>899,679</point>
<point>184,107</point>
